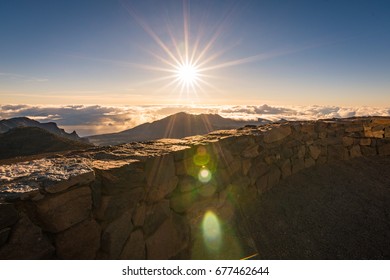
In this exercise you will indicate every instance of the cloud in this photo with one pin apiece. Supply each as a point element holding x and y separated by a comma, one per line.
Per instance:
<point>262,109</point>
<point>88,120</point>
<point>24,78</point>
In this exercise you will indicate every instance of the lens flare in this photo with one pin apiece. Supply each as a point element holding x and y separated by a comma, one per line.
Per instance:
<point>204,175</point>
<point>201,158</point>
<point>212,234</point>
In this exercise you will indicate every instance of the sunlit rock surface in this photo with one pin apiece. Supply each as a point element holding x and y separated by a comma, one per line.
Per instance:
<point>168,199</point>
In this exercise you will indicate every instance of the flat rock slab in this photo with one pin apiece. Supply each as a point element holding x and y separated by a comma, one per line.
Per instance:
<point>51,175</point>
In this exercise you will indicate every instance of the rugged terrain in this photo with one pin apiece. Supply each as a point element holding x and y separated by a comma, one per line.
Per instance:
<point>176,126</point>
<point>26,141</point>
<point>8,124</point>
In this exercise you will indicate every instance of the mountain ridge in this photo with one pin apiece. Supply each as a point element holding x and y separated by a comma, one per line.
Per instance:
<point>8,124</point>
<point>175,126</point>
<point>27,141</point>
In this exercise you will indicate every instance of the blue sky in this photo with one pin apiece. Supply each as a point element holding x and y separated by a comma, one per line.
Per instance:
<point>275,52</point>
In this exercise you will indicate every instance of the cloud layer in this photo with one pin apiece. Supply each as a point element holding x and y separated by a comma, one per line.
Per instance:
<point>89,120</point>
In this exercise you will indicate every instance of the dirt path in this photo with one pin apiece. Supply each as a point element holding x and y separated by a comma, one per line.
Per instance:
<point>335,211</point>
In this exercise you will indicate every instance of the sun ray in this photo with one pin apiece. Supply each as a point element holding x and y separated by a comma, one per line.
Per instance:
<point>189,63</point>
<point>195,47</point>
<point>216,35</point>
<point>185,28</point>
<point>215,55</point>
<point>151,33</point>
<point>175,44</point>
<point>161,79</point>
<point>165,61</point>
<point>207,47</point>
<point>172,82</point>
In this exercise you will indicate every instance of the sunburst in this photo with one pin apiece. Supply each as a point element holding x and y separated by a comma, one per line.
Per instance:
<point>187,74</point>
<point>188,65</point>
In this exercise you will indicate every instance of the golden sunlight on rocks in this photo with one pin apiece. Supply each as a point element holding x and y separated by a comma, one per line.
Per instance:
<point>167,199</point>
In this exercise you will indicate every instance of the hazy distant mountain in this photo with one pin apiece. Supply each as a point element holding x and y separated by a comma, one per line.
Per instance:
<point>25,141</point>
<point>6,125</point>
<point>175,126</point>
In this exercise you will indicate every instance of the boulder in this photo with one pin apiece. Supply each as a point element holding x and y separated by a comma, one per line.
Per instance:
<point>322,134</point>
<point>262,184</point>
<point>384,149</point>
<point>168,240</point>
<point>365,141</point>
<point>8,215</point>
<point>348,141</point>
<point>387,132</point>
<point>286,152</point>
<point>222,177</point>
<point>134,248</point>
<point>315,151</point>
<point>186,167</point>
<point>368,151</point>
<point>377,128</point>
<point>369,132</point>
<point>309,162</point>
<point>258,169</point>
<point>79,179</point>
<point>159,170</point>
<point>4,233</point>
<point>112,206</point>
<point>355,151</point>
<point>80,242</point>
<point>300,151</point>
<point>337,152</point>
<point>139,215</point>
<point>286,168</point>
<point>273,177</point>
<point>251,151</point>
<point>238,144</point>
<point>121,177</point>
<point>181,202</point>
<point>188,184</point>
<point>246,165</point>
<point>156,215</point>
<point>277,134</point>
<point>61,211</point>
<point>116,234</point>
<point>156,193</point>
<point>297,165</point>
<point>26,242</point>
<point>354,128</point>
<point>307,128</point>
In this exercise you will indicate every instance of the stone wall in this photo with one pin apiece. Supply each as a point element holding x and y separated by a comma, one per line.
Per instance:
<point>166,199</point>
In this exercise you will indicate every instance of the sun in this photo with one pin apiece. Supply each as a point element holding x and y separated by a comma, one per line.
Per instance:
<point>189,60</point>
<point>187,74</point>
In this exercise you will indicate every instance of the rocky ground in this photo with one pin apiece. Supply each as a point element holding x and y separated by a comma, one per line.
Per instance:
<point>334,211</point>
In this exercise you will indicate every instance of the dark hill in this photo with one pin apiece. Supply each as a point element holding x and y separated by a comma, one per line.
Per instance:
<point>175,126</point>
<point>8,124</point>
<point>25,141</point>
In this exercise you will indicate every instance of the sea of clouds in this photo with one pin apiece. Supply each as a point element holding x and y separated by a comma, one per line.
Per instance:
<point>90,120</point>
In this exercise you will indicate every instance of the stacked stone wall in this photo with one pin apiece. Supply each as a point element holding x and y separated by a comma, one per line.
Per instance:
<point>115,204</point>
